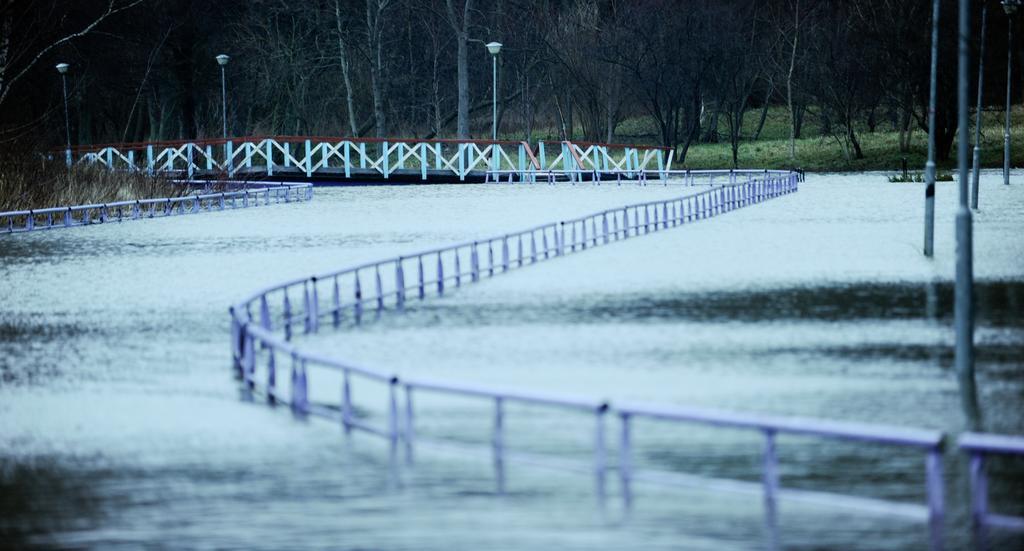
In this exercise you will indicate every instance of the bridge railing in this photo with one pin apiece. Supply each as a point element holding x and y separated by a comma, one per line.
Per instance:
<point>120,211</point>
<point>385,158</point>
<point>979,447</point>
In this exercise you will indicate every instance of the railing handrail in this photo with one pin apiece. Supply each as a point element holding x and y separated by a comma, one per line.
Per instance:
<point>461,245</point>
<point>151,200</point>
<point>92,148</point>
<point>990,443</point>
<point>137,205</point>
<point>871,432</point>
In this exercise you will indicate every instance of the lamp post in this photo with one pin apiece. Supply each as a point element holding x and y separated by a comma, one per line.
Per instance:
<point>222,60</point>
<point>964,299</point>
<point>1010,7</point>
<point>977,113</point>
<point>62,68</point>
<point>495,48</point>
<point>929,167</point>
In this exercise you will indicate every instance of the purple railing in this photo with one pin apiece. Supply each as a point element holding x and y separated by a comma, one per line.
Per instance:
<point>121,211</point>
<point>264,325</point>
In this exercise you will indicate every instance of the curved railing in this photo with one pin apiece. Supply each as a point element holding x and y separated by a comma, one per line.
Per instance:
<point>120,211</point>
<point>264,324</point>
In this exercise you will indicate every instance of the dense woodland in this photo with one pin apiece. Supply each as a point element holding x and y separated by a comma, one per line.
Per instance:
<point>700,70</point>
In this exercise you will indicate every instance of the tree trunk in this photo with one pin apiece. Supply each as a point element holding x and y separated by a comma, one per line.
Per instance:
<point>461,26</point>
<point>794,127</point>
<point>764,113</point>
<point>374,28</point>
<point>858,153</point>
<point>346,78</point>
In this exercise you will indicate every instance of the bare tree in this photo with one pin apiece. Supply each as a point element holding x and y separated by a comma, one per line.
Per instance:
<point>16,60</point>
<point>460,21</point>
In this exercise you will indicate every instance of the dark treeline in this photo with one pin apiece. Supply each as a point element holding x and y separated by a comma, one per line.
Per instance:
<point>701,70</point>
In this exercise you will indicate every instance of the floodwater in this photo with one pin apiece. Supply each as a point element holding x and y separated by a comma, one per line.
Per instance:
<point>122,426</point>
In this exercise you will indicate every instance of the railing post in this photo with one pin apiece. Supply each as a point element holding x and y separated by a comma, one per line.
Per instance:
<point>230,157</point>
<point>498,444</point>
<point>541,156</point>
<point>770,479</point>
<point>533,247</point>
<point>393,419</point>
<point>600,454</point>
<point>604,226</point>
<point>504,254</point>
<point>458,269</point>
<point>474,263</point>
<point>423,160</point>
<point>625,464</point>
<point>346,401</point>
<point>936,505</point>
<point>270,158</point>
<point>462,161</point>
<point>979,500</point>
<point>560,238</point>
<point>149,159</point>
<point>271,375</point>
<point>519,251</point>
<point>191,165</point>
<point>314,306</point>
<point>399,284</point>
<point>336,303</point>
<point>380,288</point>
<point>422,287</point>
<point>409,431</point>
<point>308,161</point>
<point>299,401</point>
<point>287,313</point>
<point>440,274</point>
<point>490,258</point>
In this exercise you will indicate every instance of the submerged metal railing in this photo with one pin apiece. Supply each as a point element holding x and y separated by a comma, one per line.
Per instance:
<point>264,325</point>
<point>978,447</point>
<point>120,211</point>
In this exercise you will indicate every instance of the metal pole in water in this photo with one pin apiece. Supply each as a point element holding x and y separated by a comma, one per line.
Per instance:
<point>977,111</point>
<point>964,305</point>
<point>1010,7</point>
<point>929,167</point>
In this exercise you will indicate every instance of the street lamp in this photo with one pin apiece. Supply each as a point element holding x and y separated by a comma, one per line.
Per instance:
<point>964,300</point>
<point>62,68</point>
<point>222,60</point>
<point>495,48</point>
<point>1010,7</point>
<point>929,167</point>
<point>977,113</point>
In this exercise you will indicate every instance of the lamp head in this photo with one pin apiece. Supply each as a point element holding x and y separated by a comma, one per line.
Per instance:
<point>1010,6</point>
<point>62,68</point>
<point>494,47</point>
<point>222,59</point>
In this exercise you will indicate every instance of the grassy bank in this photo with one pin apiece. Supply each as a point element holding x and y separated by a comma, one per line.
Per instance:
<point>28,182</point>
<point>823,154</point>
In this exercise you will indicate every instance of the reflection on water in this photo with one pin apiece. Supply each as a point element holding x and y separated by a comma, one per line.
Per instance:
<point>121,424</point>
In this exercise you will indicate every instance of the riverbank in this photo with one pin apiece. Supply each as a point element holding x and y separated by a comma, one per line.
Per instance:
<point>28,182</point>
<point>817,153</point>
